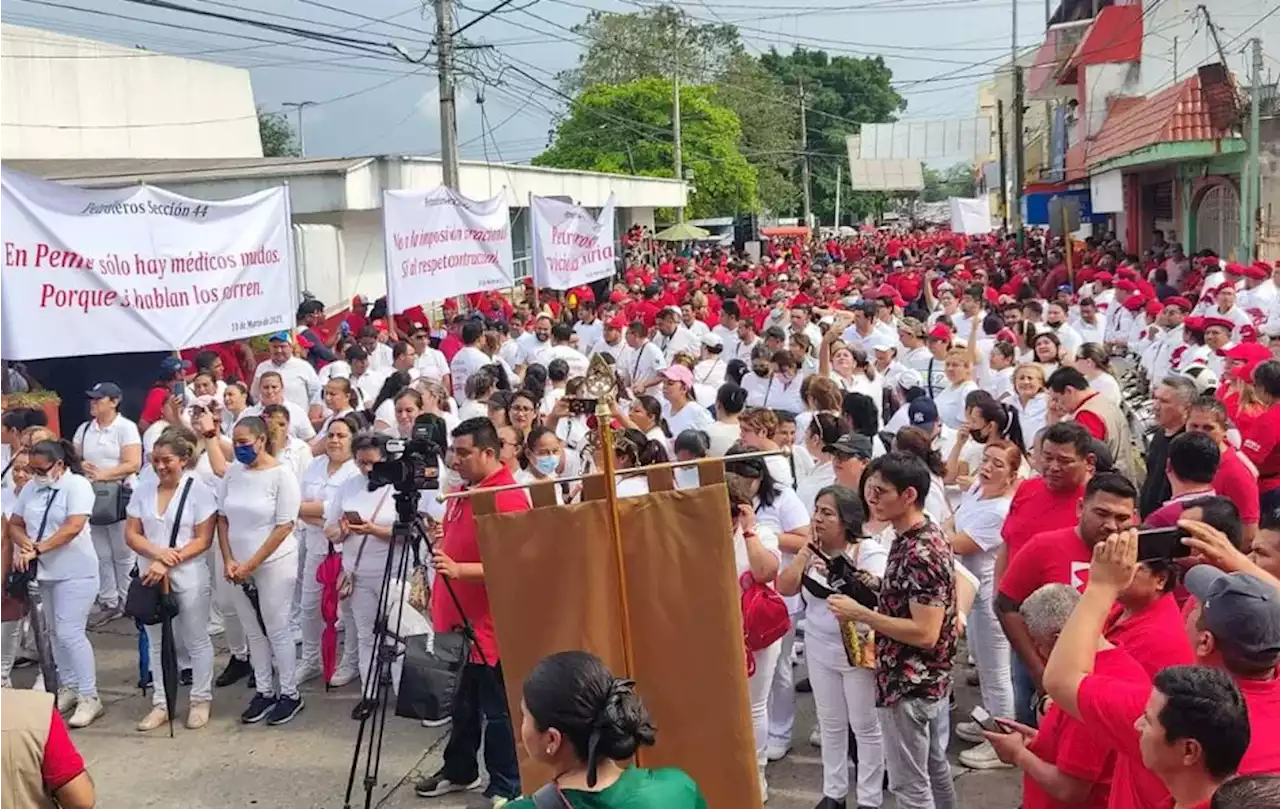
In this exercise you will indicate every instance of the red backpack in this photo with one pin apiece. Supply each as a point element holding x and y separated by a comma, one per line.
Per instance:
<point>765,618</point>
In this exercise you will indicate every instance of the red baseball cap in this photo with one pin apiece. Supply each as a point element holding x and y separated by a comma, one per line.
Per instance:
<point>1222,322</point>
<point>1154,307</point>
<point>616,322</point>
<point>1125,285</point>
<point>1253,271</point>
<point>940,332</point>
<point>1249,353</point>
<point>1194,324</point>
<point>1178,301</point>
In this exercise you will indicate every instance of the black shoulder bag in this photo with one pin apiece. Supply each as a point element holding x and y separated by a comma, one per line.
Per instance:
<point>153,603</point>
<point>17,582</point>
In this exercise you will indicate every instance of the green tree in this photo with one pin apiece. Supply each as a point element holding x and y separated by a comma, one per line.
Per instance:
<point>840,94</point>
<point>278,139</point>
<point>954,181</point>
<point>770,128</point>
<point>625,129</point>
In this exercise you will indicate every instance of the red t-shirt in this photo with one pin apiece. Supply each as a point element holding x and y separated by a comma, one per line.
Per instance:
<point>1260,441</point>
<point>1111,705</point>
<point>1155,637</point>
<point>1236,482</point>
<point>1036,508</point>
<point>1075,748</point>
<point>1263,699</point>
<point>62,762</point>
<point>1168,514</point>
<point>1091,421</point>
<point>153,405</point>
<point>461,545</point>
<point>1051,557</point>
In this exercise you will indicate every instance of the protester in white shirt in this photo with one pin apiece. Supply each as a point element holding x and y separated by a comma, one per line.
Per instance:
<point>111,449</point>
<point>823,431</point>
<point>431,363</point>
<point>611,341</point>
<point>170,527</point>
<point>258,505</point>
<point>672,337</point>
<point>534,345</point>
<point>271,392</point>
<point>644,360</point>
<point>1094,362</point>
<point>727,330</point>
<point>562,349</point>
<point>950,401</point>
<point>589,329</point>
<point>50,522</point>
<point>685,412</point>
<point>469,359</point>
<point>1056,319</point>
<point>710,370</point>
<point>1090,325</point>
<point>300,381</point>
<point>779,386</point>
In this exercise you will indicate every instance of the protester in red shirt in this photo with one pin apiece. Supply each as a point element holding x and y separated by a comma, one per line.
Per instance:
<point>1185,735</point>
<point>1058,557</point>
<point>40,760</point>
<point>1191,465</point>
<point>480,705</point>
<point>1065,763</point>
<point>1050,501</point>
<point>1235,480</point>
<point>172,372</point>
<point>1260,440</point>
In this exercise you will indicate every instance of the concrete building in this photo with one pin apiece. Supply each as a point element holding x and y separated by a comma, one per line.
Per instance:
<point>71,98</point>
<point>336,203</point>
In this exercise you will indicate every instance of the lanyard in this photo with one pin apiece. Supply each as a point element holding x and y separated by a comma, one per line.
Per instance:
<point>639,356</point>
<point>710,371</point>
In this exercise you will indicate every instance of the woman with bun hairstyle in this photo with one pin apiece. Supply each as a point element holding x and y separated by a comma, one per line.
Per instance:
<point>725,431</point>
<point>582,722</point>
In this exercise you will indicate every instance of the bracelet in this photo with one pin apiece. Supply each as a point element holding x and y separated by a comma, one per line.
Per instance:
<point>211,434</point>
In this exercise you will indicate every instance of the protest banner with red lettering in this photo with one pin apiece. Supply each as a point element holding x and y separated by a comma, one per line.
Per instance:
<point>569,246</point>
<point>139,269</point>
<point>441,244</point>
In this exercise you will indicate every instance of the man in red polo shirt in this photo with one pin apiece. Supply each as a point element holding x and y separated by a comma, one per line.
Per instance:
<point>1049,501</point>
<point>1180,737</point>
<point>1234,480</point>
<point>480,706</point>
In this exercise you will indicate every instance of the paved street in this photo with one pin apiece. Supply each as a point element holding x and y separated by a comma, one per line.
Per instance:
<point>304,765</point>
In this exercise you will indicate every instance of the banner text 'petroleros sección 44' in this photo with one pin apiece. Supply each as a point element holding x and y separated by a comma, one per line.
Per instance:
<point>570,246</point>
<point>139,269</point>
<point>440,244</point>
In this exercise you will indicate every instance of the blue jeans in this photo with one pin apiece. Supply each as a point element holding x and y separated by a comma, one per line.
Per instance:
<point>480,708</point>
<point>1024,693</point>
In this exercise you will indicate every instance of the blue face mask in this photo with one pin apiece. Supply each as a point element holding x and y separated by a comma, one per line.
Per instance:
<point>246,454</point>
<point>546,464</point>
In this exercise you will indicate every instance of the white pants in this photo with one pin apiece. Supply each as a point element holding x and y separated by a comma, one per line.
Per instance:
<point>990,649</point>
<point>68,602</point>
<point>845,697</point>
<point>362,608</point>
<point>309,616</point>
<point>115,561</point>
<point>224,602</point>
<point>758,686</point>
<point>190,629</point>
<point>782,697</point>
<point>275,579</point>
<point>295,608</point>
<point>10,635</point>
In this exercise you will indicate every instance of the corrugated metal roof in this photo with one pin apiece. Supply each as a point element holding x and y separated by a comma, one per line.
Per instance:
<point>136,169</point>
<point>1177,113</point>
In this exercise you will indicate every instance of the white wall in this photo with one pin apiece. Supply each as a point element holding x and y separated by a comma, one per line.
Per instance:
<point>1102,83</point>
<point>1167,20</point>
<point>66,97</point>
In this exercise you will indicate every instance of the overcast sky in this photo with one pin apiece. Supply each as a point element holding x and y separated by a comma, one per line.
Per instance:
<point>939,51</point>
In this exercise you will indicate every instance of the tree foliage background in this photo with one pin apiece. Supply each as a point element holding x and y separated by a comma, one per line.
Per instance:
<point>953,181</point>
<point>278,138</point>
<point>762,92</point>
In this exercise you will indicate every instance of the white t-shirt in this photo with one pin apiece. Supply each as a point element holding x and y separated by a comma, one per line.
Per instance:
<point>1107,385</point>
<point>1032,417</point>
<point>767,538</point>
<point>588,333</point>
<point>690,417</point>
<point>432,365</point>
<point>730,339</point>
<point>575,359</point>
<point>301,383</point>
<point>318,485</point>
<point>255,501</point>
<point>982,520</point>
<point>681,341</point>
<point>615,350</point>
<point>774,392</point>
<point>785,513</point>
<point>299,421</point>
<point>201,504</point>
<point>72,495</point>
<point>102,446</point>
<point>643,364</point>
<point>466,362</point>
<point>710,373</point>
<point>534,351</point>
<point>375,507</point>
<point>935,503</point>
<point>818,478</point>
<point>821,629</point>
<point>722,437</point>
<point>632,485</point>
<point>369,383</point>
<point>950,403</point>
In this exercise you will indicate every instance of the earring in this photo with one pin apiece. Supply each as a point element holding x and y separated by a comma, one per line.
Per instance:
<point>550,751</point>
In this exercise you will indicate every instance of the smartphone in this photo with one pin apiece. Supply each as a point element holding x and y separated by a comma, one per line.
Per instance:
<point>986,721</point>
<point>353,517</point>
<point>1162,543</point>
<point>180,389</point>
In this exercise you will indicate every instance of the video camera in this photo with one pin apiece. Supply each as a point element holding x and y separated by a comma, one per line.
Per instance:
<point>412,464</point>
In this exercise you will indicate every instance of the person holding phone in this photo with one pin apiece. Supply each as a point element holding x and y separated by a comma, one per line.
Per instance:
<point>170,526</point>
<point>1066,762</point>
<point>361,521</point>
<point>839,652</point>
<point>258,504</point>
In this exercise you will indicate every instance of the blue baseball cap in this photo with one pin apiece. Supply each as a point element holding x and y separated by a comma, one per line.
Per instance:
<point>104,390</point>
<point>279,337</point>
<point>1237,608</point>
<point>922,412</point>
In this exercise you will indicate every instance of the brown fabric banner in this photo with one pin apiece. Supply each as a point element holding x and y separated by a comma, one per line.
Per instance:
<point>553,585</point>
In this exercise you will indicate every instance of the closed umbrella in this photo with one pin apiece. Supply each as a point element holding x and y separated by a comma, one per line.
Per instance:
<point>327,575</point>
<point>44,641</point>
<point>251,592</point>
<point>168,662</point>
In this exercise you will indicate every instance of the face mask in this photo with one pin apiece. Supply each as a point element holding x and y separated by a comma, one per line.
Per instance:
<point>762,373</point>
<point>978,435</point>
<point>687,478</point>
<point>546,464</point>
<point>42,480</point>
<point>246,454</point>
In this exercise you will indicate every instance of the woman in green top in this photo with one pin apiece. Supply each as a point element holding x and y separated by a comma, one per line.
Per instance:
<point>581,722</point>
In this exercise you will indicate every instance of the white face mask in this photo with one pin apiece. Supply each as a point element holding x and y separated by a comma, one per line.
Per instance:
<point>686,477</point>
<point>42,480</point>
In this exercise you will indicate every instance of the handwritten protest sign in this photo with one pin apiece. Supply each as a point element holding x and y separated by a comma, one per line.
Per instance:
<point>440,244</point>
<point>139,269</point>
<point>570,247</point>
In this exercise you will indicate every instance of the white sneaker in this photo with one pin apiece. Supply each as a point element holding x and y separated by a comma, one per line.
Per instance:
<point>308,670</point>
<point>87,710</point>
<point>982,757</point>
<point>776,751</point>
<point>436,723</point>
<point>67,699</point>
<point>815,737</point>
<point>970,732</point>
<point>343,676</point>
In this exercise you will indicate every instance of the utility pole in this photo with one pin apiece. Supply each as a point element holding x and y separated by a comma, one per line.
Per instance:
<point>1250,185</point>
<point>299,106</point>
<point>448,107</point>
<point>804,159</point>
<point>839,179</point>
<point>1015,210</point>
<point>677,158</point>
<point>1004,156</point>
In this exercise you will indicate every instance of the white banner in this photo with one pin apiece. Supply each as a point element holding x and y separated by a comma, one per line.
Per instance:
<point>139,269</point>
<point>440,244</point>
<point>970,215</point>
<point>570,247</point>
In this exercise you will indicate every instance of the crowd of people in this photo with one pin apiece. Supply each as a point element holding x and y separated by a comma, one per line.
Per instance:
<point>960,427</point>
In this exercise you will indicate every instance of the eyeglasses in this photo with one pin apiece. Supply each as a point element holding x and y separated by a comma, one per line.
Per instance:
<point>520,409</point>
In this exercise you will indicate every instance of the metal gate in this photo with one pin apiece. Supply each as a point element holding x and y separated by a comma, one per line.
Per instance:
<point>1218,220</point>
